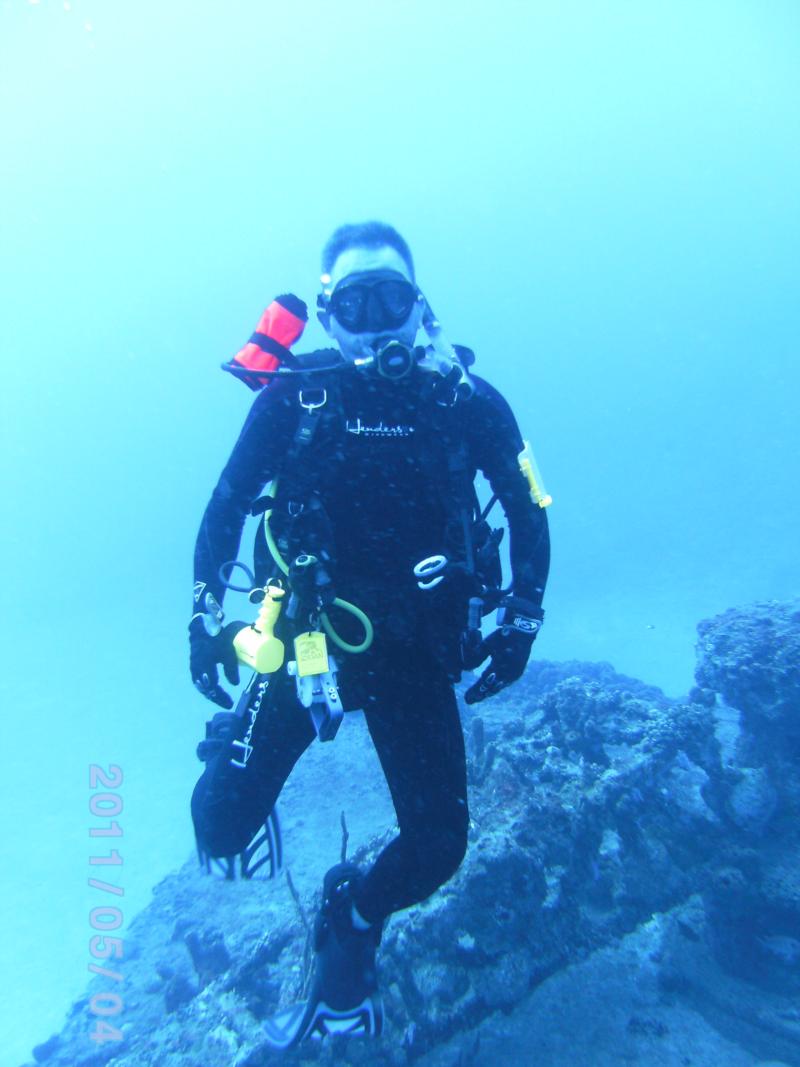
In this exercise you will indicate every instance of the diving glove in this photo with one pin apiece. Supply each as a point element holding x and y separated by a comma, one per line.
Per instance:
<point>509,647</point>
<point>210,644</point>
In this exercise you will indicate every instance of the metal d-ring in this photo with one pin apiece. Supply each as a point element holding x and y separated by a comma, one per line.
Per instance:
<point>310,405</point>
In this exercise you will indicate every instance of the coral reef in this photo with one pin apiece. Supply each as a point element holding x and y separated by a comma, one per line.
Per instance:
<point>749,660</point>
<point>612,841</point>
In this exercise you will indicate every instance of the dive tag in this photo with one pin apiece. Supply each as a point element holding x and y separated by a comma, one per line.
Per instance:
<point>311,653</point>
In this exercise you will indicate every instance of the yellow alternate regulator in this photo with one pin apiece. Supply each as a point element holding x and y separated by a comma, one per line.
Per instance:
<point>256,645</point>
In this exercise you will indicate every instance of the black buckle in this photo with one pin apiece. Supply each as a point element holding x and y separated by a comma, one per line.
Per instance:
<point>517,613</point>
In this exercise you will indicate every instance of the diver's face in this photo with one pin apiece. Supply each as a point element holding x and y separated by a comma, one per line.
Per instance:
<point>363,262</point>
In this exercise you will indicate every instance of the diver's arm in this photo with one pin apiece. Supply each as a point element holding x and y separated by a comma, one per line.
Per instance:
<point>253,462</point>
<point>495,445</point>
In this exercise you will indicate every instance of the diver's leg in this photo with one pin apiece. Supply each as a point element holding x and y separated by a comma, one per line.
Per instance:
<point>229,803</point>
<point>416,729</point>
<point>417,732</point>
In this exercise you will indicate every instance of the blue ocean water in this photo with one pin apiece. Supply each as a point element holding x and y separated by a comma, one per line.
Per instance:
<point>602,201</point>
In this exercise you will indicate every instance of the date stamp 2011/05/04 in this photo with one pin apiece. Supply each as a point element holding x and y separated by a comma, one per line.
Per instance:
<point>105,917</point>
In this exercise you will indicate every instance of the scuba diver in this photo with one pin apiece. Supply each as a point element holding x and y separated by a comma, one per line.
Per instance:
<point>374,566</point>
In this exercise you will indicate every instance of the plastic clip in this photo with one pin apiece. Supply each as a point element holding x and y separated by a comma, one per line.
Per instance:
<point>429,571</point>
<point>320,694</point>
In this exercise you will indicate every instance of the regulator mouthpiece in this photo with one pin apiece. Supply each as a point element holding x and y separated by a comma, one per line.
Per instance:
<point>394,360</point>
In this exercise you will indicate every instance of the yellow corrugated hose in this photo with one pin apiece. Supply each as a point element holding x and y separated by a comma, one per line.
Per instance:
<point>345,605</point>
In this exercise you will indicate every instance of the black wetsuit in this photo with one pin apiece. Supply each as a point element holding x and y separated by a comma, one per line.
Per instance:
<point>380,464</point>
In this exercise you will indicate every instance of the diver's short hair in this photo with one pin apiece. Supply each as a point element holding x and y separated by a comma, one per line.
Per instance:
<point>365,235</point>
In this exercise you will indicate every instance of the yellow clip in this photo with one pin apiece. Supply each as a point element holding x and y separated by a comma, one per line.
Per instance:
<point>530,471</point>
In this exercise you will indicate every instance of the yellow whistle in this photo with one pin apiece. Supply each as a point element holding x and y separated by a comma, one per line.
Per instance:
<point>527,464</point>
<point>257,646</point>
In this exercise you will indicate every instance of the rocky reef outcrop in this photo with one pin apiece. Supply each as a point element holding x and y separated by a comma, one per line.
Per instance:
<point>614,833</point>
<point>749,660</point>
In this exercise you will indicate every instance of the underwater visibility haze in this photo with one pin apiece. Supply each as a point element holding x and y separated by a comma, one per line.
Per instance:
<point>601,200</point>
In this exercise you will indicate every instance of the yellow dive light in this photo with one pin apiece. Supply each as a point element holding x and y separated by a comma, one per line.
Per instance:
<point>527,464</point>
<point>256,645</point>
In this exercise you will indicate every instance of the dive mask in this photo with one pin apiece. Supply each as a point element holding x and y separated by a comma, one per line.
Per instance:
<point>371,301</point>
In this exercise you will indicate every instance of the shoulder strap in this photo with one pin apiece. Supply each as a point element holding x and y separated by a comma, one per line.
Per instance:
<point>319,421</point>
<point>300,521</point>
